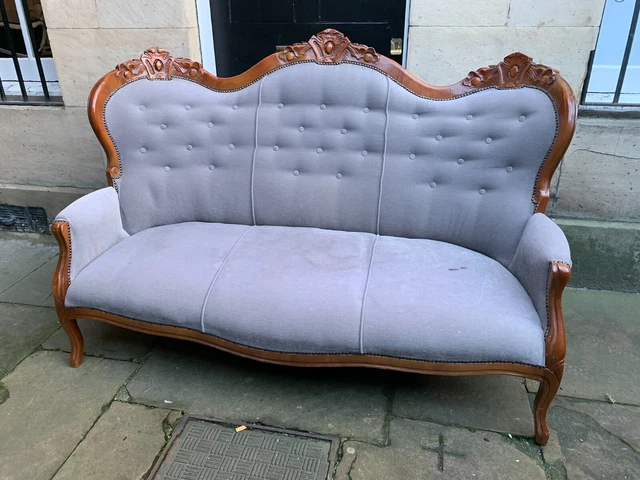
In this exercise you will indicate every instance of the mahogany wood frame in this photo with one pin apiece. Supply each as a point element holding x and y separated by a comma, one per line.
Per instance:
<point>331,46</point>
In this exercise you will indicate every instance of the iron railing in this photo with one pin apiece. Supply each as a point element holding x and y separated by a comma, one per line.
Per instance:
<point>20,53</point>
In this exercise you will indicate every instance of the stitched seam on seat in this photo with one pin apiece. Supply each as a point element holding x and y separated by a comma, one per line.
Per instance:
<point>217,274</point>
<point>384,154</point>
<point>364,295</point>
<point>255,151</point>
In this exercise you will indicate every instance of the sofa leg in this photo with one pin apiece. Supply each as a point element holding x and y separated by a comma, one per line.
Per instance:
<point>70,326</point>
<point>546,392</point>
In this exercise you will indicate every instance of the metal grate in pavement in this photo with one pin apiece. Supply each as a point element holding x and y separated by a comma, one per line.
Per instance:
<point>15,218</point>
<point>202,449</point>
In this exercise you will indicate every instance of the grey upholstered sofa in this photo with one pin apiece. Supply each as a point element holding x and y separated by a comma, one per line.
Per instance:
<point>328,208</point>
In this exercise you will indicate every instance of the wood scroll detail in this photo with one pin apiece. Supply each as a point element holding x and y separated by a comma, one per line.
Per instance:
<point>329,46</point>
<point>158,64</point>
<point>512,72</point>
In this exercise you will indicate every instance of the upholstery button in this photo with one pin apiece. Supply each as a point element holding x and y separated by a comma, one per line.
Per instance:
<point>365,110</point>
<point>296,173</point>
<point>235,107</point>
<point>210,124</point>
<point>482,191</point>
<point>280,105</point>
<point>469,117</point>
<point>142,107</point>
<point>489,140</point>
<point>276,148</point>
<point>339,176</point>
<point>509,169</point>
<point>167,168</point>
<point>319,150</point>
<point>343,131</point>
<point>163,126</point>
<point>460,161</point>
<point>143,150</point>
<point>187,107</point>
<point>414,116</point>
<point>323,106</point>
<point>438,137</point>
<point>211,167</point>
<point>189,147</point>
<point>301,129</point>
<point>412,156</point>
<point>364,153</point>
<point>522,118</point>
<point>231,146</point>
<point>432,184</point>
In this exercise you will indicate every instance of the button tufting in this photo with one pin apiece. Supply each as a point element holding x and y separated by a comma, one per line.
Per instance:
<point>522,118</point>
<point>482,191</point>
<point>460,161</point>
<point>339,176</point>
<point>142,107</point>
<point>364,153</point>
<point>211,167</point>
<point>469,117</point>
<point>438,137</point>
<point>365,110</point>
<point>489,140</point>
<point>509,169</point>
<point>189,147</point>
<point>163,126</point>
<point>187,107</point>
<point>167,168</point>
<point>343,131</point>
<point>414,116</point>
<point>432,184</point>
<point>323,106</point>
<point>276,148</point>
<point>231,146</point>
<point>143,150</point>
<point>235,107</point>
<point>280,105</point>
<point>319,150</point>
<point>412,156</point>
<point>301,129</point>
<point>210,124</point>
<point>296,173</point>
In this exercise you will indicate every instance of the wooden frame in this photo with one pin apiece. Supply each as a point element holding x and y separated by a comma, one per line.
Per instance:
<point>330,46</point>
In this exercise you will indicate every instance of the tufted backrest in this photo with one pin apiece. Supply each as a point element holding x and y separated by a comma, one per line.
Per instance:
<point>337,146</point>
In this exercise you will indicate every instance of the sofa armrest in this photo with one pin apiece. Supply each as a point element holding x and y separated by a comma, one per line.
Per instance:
<point>542,246</point>
<point>93,224</point>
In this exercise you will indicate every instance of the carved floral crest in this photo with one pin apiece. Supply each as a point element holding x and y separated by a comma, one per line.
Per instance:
<point>512,72</point>
<point>329,46</point>
<point>158,64</point>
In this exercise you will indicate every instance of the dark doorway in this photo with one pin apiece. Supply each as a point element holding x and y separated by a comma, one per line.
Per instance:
<point>245,31</point>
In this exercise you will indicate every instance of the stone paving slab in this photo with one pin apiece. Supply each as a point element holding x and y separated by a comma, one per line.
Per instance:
<point>492,402</point>
<point>18,258</point>
<point>426,450</point>
<point>50,409</point>
<point>203,381</point>
<point>35,288</point>
<point>22,329</point>
<point>122,445</point>
<point>104,340</point>
<point>603,346</point>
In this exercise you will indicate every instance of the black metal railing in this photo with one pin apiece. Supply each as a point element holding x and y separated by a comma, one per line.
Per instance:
<point>624,67</point>
<point>19,41</point>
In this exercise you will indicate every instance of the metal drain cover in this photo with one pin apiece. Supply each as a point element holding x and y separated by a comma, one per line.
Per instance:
<point>202,449</point>
<point>14,218</point>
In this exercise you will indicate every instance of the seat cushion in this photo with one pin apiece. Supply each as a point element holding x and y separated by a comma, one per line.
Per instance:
<point>308,290</point>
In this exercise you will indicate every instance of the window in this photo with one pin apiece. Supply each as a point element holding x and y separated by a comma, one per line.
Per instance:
<point>614,73</point>
<point>27,72</point>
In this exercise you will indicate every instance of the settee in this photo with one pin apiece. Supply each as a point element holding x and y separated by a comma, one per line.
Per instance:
<point>328,208</point>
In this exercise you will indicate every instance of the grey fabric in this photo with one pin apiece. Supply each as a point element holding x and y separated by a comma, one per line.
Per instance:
<point>94,225</point>
<point>542,242</point>
<point>443,181</point>
<point>160,275</point>
<point>292,289</point>
<point>435,301</point>
<point>198,150</point>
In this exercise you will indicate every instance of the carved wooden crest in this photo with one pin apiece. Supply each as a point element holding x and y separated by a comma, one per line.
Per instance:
<point>329,46</point>
<point>158,64</point>
<point>512,72</point>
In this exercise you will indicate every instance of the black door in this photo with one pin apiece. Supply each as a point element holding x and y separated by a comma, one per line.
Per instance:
<point>245,31</point>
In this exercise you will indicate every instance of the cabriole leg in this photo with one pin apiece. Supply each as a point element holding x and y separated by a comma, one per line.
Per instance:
<point>546,392</point>
<point>70,326</point>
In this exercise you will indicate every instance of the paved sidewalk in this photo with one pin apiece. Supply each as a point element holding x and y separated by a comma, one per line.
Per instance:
<point>110,418</point>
